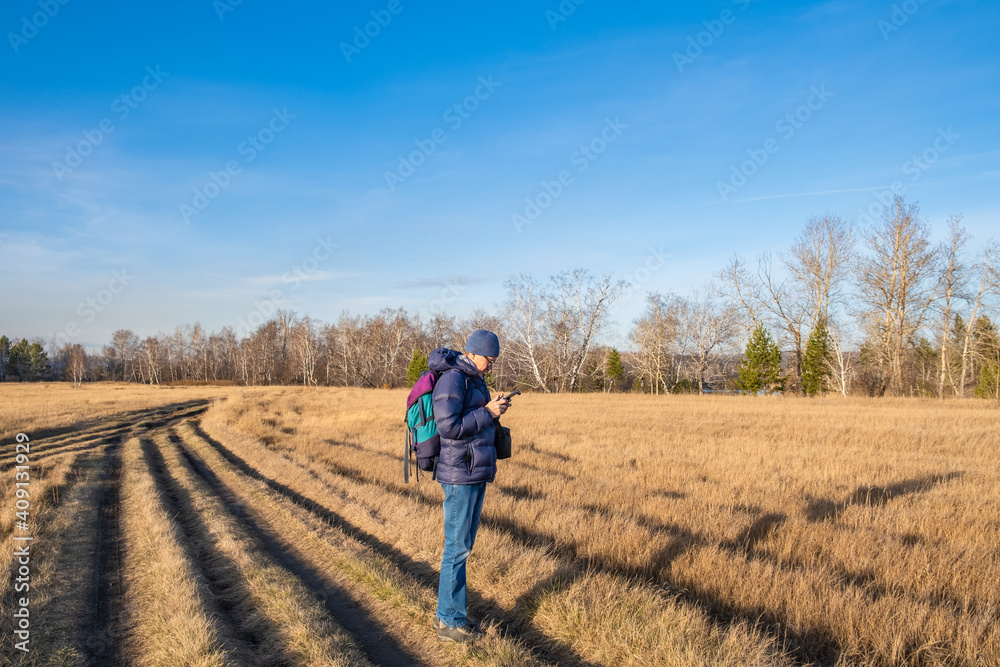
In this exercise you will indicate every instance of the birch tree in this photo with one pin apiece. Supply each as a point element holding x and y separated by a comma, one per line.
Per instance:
<point>523,316</point>
<point>708,326</point>
<point>894,280</point>
<point>655,335</point>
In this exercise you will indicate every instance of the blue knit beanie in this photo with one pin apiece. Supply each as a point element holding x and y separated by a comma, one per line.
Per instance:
<point>484,343</point>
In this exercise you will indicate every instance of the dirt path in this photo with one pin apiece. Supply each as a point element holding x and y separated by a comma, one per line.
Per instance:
<point>104,632</point>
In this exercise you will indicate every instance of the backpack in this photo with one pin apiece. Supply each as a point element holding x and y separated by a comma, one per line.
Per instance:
<point>422,437</point>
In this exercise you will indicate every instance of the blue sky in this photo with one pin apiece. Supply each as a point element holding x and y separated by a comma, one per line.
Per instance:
<point>226,158</point>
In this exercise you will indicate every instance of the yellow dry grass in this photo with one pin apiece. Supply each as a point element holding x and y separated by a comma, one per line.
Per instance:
<point>285,619</point>
<point>850,531</point>
<point>626,530</point>
<point>39,408</point>
<point>166,598</point>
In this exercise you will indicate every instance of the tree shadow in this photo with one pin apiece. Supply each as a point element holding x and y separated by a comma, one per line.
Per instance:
<point>519,492</point>
<point>822,509</point>
<point>532,447</point>
<point>756,532</point>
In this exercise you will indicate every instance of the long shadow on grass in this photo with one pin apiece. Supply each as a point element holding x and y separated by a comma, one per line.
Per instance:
<point>380,646</point>
<point>228,590</point>
<point>808,646</point>
<point>425,575</point>
<point>815,645</point>
<point>822,509</point>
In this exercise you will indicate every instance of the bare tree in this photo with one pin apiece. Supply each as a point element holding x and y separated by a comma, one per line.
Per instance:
<point>441,332</point>
<point>763,297</point>
<point>306,350</point>
<point>523,317</point>
<point>840,362</point>
<point>988,285</point>
<point>952,288</point>
<point>577,312</point>
<point>126,345</point>
<point>655,336</point>
<point>893,279</point>
<point>707,327</point>
<point>787,307</point>
<point>77,365</point>
<point>740,288</point>
<point>150,353</point>
<point>390,342</point>
<point>819,262</point>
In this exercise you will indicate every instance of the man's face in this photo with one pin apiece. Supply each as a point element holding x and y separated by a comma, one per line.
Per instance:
<point>483,363</point>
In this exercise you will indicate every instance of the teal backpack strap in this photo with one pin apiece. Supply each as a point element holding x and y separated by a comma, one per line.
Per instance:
<point>406,457</point>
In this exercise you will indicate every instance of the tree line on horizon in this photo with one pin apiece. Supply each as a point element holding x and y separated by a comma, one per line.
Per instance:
<point>874,311</point>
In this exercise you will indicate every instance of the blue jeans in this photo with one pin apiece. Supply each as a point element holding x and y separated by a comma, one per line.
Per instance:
<point>463,504</point>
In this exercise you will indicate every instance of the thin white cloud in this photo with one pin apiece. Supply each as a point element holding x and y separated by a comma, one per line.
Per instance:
<point>291,277</point>
<point>873,188</point>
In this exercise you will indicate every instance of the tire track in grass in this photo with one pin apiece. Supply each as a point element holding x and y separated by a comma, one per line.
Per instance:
<point>104,631</point>
<point>64,570</point>
<point>379,646</point>
<point>58,481</point>
<point>39,453</point>
<point>91,426</point>
<point>95,436</point>
<point>293,625</point>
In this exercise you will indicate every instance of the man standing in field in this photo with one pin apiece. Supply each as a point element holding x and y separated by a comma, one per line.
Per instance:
<point>464,415</point>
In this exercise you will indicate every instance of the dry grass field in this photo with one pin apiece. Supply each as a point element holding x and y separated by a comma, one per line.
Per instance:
<point>235,526</point>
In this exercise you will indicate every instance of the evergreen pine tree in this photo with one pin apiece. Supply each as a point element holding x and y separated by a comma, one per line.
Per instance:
<point>989,381</point>
<point>19,361</point>
<point>418,364</point>
<point>38,362</point>
<point>614,370</point>
<point>760,369</point>
<point>988,344</point>
<point>4,356</point>
<point>816,363</point>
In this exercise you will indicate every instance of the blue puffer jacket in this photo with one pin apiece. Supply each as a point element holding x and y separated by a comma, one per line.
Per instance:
<point>468,455</point>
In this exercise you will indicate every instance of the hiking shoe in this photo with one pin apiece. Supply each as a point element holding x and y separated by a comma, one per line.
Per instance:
<point>470,620</point>
<point>461,635</point>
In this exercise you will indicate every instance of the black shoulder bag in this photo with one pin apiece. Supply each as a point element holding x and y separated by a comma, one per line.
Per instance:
<point>501,440</point>
<point>501,437</point>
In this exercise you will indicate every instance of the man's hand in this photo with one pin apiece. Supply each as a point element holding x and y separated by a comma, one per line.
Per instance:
<point>497,406</point>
